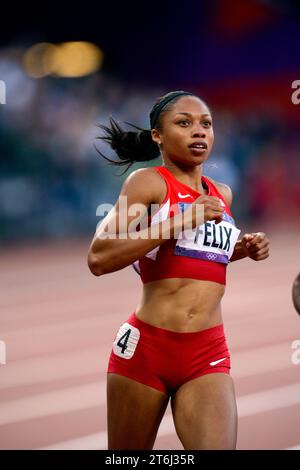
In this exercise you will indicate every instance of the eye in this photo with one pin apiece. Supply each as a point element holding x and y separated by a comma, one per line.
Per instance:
<point>184,122</point>
<point>207,123</point>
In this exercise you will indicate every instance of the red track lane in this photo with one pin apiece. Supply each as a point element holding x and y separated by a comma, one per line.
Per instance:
<point>58,322</point>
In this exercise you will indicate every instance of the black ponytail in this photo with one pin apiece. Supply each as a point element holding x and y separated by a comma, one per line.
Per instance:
<point>130,146</point>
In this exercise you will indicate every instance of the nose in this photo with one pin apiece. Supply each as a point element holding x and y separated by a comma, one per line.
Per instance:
<point>198,131</point>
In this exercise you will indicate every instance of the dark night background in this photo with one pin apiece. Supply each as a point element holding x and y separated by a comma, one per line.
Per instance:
<point>168,42</point>
<point>240,56</point>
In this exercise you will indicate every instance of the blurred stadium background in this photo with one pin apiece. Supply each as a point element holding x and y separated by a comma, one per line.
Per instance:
<point>64,72</point>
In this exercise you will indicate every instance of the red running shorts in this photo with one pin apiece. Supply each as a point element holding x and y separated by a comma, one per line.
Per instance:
<point>165,359</point>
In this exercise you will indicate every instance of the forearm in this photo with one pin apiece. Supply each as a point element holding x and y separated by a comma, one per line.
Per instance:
<point>107,255</point>
<point>239,252</point>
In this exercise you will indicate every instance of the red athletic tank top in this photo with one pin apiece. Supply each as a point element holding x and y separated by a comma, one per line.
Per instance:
<point>202,253</point>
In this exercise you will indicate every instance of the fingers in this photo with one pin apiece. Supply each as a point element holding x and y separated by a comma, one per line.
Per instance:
<point>260,255</point>
<point>214,204</point>
<point>258,252</point>
<point>246,239</point>
<point>211,201</point>
<point>212,208</point>
<point>215,214</point>
<point>258,239</point>
<point>257,245</point>
<point>218,219</point>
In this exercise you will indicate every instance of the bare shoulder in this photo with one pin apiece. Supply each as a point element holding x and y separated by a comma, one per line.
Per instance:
<point>224,189</point>
<point>145,182</point>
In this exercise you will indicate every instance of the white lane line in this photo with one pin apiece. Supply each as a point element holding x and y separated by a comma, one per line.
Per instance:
<point>95,441</point>
<point>98,441</point>
<point>54,367</point>
<point>60,366</point>
<point>94,394</point>
<point>91,320</point>
<point>47,404</point>
<point>268,400</point>
<point>269,358</point>
<point>248,405</point>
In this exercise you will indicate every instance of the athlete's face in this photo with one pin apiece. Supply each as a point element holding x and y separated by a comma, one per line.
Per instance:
<point>187,133</point>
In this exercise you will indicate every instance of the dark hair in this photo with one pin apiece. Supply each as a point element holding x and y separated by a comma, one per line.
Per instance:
<point>132,147</point>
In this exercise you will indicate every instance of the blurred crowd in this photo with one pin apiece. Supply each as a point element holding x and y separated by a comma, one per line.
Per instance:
<point>52,179</point>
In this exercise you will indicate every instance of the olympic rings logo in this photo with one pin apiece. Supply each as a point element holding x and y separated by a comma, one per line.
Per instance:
<point>211,256</point>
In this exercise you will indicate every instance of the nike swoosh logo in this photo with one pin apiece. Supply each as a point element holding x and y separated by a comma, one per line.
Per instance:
<point>217,362</point>
<point>183,195</point>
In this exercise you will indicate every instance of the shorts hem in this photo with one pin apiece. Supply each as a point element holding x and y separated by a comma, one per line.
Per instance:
<point>139,380</point>
<point>210,371</point>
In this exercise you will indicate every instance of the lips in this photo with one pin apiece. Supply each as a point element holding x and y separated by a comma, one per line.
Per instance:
<point>199,144</point>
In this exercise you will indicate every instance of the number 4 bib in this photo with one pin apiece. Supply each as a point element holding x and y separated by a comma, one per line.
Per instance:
<point>126,341</point>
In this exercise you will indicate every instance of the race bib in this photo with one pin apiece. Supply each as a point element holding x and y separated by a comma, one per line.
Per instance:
<point>126,341</point>
<point>209,241</point>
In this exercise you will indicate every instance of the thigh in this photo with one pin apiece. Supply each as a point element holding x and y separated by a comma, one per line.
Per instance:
<point>205,413</point>
<point>134,413</point>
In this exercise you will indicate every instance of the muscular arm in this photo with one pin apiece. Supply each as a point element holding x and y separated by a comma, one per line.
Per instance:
<point>109,251</point>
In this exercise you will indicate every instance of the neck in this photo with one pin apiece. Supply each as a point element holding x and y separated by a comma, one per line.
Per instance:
<point>189,175</point>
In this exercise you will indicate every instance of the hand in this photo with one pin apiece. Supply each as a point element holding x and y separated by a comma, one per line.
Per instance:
<point>212,209</point>
<point>256,245</point>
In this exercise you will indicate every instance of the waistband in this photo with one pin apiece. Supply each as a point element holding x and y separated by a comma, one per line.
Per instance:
<point>209,334</point>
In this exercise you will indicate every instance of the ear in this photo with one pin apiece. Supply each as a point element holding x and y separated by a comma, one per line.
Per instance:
<point>156,136</point>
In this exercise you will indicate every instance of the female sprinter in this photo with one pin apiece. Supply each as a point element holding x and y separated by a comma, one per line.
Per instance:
<point>173,345</point>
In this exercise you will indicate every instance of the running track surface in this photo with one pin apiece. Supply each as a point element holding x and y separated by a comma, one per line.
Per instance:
<point>58,322</point>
